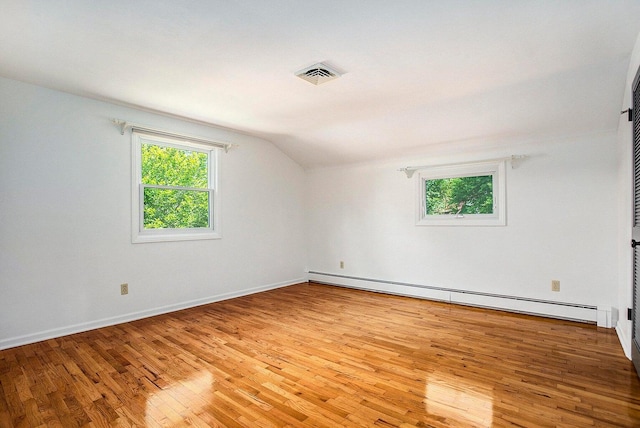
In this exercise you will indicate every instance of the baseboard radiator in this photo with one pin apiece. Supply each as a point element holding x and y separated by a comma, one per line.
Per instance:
<point>560,310</point>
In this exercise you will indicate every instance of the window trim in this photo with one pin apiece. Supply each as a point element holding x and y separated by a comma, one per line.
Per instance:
<point>138,233</point>
<point>497,169</point>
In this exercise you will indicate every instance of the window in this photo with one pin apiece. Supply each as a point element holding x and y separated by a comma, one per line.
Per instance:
<point>462,195</point>
<point>174,189</point>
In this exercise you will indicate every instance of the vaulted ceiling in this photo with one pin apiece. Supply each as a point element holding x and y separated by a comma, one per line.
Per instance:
<point>418,74</point>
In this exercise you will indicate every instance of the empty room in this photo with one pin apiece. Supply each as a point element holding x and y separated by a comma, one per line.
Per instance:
<point>280,213</point>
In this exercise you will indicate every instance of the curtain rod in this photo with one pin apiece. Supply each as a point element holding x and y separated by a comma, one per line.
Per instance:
<point>124,125</point>
<point>514,159</point>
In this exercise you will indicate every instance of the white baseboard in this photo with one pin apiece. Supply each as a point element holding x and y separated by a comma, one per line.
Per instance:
<point>560,310</point>
<point>105,322</point>
<point>624,339</point>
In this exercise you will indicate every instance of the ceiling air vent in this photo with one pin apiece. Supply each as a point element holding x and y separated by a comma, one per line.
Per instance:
<point>318,73</point>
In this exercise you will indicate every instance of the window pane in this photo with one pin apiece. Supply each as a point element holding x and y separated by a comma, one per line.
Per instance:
<point>168,166</point>
<point>459,195</point>
<point>175,209</point>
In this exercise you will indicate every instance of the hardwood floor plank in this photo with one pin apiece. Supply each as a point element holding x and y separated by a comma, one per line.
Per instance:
<point>321,356</point>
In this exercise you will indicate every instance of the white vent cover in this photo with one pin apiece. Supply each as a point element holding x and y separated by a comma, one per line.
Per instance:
<point>318,73</point>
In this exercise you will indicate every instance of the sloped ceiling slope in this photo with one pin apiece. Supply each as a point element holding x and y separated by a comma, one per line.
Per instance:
<point>417,73</point>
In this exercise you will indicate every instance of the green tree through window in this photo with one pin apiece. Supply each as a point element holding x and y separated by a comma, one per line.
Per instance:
<point>459,195</point>
<point>175,183</point>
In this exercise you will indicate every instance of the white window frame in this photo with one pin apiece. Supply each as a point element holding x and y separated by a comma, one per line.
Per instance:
<point>496,169</point>
<point>141,235</point>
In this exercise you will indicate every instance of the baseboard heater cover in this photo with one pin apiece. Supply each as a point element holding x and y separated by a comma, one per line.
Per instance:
<point>547,308</point>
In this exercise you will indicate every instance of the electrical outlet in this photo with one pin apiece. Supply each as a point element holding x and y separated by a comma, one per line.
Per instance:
<point>124,289</point>
<point>341,264</point>
<point>555,285</point>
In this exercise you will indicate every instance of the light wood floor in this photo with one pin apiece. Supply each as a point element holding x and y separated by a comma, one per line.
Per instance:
<point>315,355</point>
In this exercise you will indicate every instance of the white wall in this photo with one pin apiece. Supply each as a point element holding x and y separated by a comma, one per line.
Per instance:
<point>625,205</point>
<point>65,230</point>
<point>65,239</point>
<point>561,224</point>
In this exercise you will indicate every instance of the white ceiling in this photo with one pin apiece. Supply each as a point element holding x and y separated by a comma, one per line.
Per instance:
<point>417,73</point>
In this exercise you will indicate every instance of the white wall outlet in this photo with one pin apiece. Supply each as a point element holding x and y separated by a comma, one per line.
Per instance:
<point>341,264</point>
<point>124,289</point>
<point>555,285</point>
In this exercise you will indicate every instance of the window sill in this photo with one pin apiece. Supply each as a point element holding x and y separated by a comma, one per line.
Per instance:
<point>461,221</point>
<point>143,238</point>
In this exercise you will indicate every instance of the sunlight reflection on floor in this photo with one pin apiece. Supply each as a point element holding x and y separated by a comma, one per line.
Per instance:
<point>193,394</point>
<point>457,400</point>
